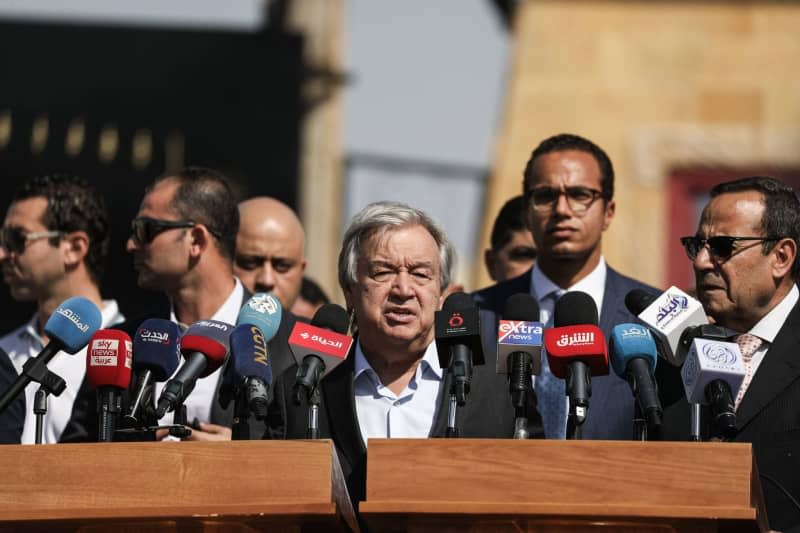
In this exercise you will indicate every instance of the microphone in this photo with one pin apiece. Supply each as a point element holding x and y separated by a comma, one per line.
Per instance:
<point>458,341</point>
<point>519,353</point>
<point>108,369</point>
<point>155,358</point>
<point>204,346</point>
<point>317,349</point>
<point>667,316</point>
<point>576,349</point>
<point>634,358</point>
<point>69,328</point>
<point>249,371</point>
<point>712,375</point>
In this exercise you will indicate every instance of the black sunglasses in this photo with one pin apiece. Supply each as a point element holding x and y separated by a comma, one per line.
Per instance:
<point>145,229</point>
<point>721,247</point>
<point>14,239</point>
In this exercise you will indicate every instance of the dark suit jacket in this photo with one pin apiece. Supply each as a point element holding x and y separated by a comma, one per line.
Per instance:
<point>82,426</point>
<point>487,414</point>
<point>611,407</point>
<point>13,417</point>
<point>769,417</point>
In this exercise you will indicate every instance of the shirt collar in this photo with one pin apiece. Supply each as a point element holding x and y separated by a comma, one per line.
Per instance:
<point>429,361</point>
<point>592,284</point>
<point>228,312</point>
<point>767,328</point>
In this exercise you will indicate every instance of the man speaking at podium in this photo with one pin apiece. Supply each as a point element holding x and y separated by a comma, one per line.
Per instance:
<point>393,266</point>
<point>745,260</point>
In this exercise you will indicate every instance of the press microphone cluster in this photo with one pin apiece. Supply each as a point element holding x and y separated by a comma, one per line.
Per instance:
<point>519,353</point>
<point>576,350</point>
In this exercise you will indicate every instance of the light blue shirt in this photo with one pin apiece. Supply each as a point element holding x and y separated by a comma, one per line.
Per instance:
<point>410,414</point>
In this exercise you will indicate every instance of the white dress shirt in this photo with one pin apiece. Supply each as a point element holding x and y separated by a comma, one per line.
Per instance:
<point>767,328</point>
<point>25,343</point>
<point>410,414</point>
<point>198,403</point>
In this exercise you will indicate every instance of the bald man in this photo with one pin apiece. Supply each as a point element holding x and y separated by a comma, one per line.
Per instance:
<point>270,249</point>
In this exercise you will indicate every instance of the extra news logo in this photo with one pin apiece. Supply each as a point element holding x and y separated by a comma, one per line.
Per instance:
<point>519,332</point>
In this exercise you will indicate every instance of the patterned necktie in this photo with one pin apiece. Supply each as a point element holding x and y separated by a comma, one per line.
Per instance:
<point>551,399</point>
<point>748,344</point>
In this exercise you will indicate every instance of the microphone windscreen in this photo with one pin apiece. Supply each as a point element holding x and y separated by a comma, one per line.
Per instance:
<point>73,323</point>
<point>333,317</point>
<point>521,306</point>
<point>249,355</point>
<point>210,338</point>
<point>109,359</point>
<point>629,341</point>
<point>263,311</point>
<point>574,309</point>
<point>156,348</point>
<point>457,300</point>
<point>638,300</point>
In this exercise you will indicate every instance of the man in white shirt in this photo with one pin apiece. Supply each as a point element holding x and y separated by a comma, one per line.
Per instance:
<point>53,245</point>
<point>394,264</point>
<point>745,259</point>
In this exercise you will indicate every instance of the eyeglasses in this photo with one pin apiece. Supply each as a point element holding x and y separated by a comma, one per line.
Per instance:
<point>14,239</point>
<point>578,198</point>
<point>145,229</point>
<point>721,247</point>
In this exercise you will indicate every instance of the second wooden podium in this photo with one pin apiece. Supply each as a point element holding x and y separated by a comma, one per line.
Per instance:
<point>510,485</point>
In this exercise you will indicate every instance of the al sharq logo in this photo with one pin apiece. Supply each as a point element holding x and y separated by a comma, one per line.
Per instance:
<point>719,354</point>
<point>675,305</point>
<point>576,339</point>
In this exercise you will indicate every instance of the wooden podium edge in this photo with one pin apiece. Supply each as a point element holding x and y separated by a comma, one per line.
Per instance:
<point>375,508</point>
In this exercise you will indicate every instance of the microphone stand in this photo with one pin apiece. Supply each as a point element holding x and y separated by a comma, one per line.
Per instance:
<point>40,410</point>
<point>313,414</point>
<point>518,384</point>
<point>461,373</point>
<point>694,431</point>
<point>579,390</point>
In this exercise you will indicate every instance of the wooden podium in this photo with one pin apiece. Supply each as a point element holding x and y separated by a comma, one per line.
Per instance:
<point>174,486</point>
<point>538,485</point>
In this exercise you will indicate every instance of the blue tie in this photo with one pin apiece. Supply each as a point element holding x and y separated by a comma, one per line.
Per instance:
<point>551,393</point>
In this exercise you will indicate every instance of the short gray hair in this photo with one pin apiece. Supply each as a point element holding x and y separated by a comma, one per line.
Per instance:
<point>379,217</point>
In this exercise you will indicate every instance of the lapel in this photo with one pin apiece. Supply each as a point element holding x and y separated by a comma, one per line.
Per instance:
<point>439,427</point>
<point>613,311</point>
<point>779,368</point>
<point>340,403</point>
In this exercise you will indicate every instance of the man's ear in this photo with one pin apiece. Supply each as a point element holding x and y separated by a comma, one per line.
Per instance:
<point>610,209</point>
<point>200,239</point>
<point>75,246</point>
<point>488,260</point>
<point>783,254</point>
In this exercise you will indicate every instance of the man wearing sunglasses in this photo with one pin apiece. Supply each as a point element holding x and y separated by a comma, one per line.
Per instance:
<point>53,245</point>
<point>745,259</point>
<point>569,188</point>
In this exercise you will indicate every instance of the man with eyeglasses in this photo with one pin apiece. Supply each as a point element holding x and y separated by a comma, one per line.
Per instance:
<point>569,187</point>
<point>53,246</point>
<point>745,260</point>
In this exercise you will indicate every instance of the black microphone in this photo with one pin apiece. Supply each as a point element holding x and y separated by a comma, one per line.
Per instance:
<point>458,341</point>
<point>519,348</point>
